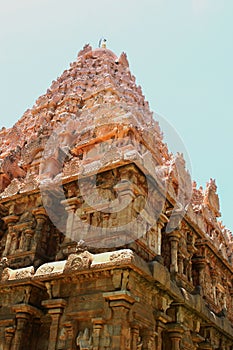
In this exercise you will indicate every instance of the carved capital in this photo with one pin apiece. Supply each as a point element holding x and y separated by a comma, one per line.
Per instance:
<point>11,219</point>
<point>40,213</point>
<point>54,306</point>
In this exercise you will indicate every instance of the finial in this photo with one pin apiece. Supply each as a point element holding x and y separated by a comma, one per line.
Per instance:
<point>102,43</point>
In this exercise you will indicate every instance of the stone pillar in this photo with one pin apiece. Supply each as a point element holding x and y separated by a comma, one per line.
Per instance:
<point>134,336</point>
<point>214,283</point>
<point>174,237</point>
<point>78,225</point>
<point>120,302</point>
<point>24,313</point>
<point>125,193</point>
<point>161,222</point>
<point>160,328</point>
<point>175,332</point>
<point>55,309</point>
<point>71,205</point>
<point>180,263</point>
<point>69,328</point>
<point>200,264</point>
<point>28,239</point>
<point>10,221</point>
<point>148,337</point>
<point>41,218</point>
<point>97,327</point>
<point>22,320</point>
<point>9,334</point>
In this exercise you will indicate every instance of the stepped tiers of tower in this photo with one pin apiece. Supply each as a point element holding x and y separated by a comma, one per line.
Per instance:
<point>106,243</point>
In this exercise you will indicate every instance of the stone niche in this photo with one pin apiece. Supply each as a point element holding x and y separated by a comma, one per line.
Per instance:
<point>119,207</point>
<point>28,235</point>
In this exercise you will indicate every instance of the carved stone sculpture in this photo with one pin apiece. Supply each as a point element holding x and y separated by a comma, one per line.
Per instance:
<point>84,340</point>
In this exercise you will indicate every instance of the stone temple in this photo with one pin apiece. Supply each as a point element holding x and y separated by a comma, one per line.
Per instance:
<point>106,243</point>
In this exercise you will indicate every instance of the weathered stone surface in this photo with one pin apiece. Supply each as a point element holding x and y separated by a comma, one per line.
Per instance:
<point>103,242</point>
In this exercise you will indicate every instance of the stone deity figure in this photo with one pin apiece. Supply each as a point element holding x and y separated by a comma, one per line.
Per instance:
<point>84,340</point>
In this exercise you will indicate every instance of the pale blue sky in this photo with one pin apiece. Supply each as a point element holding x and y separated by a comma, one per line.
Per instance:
<point>181,52</point>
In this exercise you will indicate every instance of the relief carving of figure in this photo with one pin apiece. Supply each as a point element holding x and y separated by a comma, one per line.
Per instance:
<point>13,242</point>
<point>125,280</point>
<point>22,241</point>
<point>62,338</point>
<point>84,340</point>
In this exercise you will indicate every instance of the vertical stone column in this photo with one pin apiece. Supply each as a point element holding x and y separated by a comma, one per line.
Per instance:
<point>175,332</point>
<point>161,222</point>
<point>174,237</point>
<point>125,193</point>
<point>180,263</point>
<point>134,336</point>
<point>10,221</point>
<point>201,268</point>
<point>214,283</point>
<point>148,337</point>
<point>120,302</point>
<point>24,313</point>
<point>28,238</point>
<point>41,218</point>
<point>9,334</point>
<point>160,328</point>
<point>22,319</point>
<point>55,309</point>
<point>69,327</point>
<point>71,205</point>
<point>161,319</point>
<point>97,327</point>
<point>200,264</point>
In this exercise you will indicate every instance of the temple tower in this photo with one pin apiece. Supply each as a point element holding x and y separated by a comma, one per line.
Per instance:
<point>105,241</point>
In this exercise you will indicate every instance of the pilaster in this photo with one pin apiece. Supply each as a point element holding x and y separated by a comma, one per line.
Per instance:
<point>161,321</point>
<point>9,334</point>
<point>41,218</point>
<point>175,332</point>
<point>55,310</point>
<point>11,236</point>
<point>120,302</point>
<point>97,328</point>
<point>134,336</point>
<point>24,313</point>
<point>174,237</point>
<point>161,222</point>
